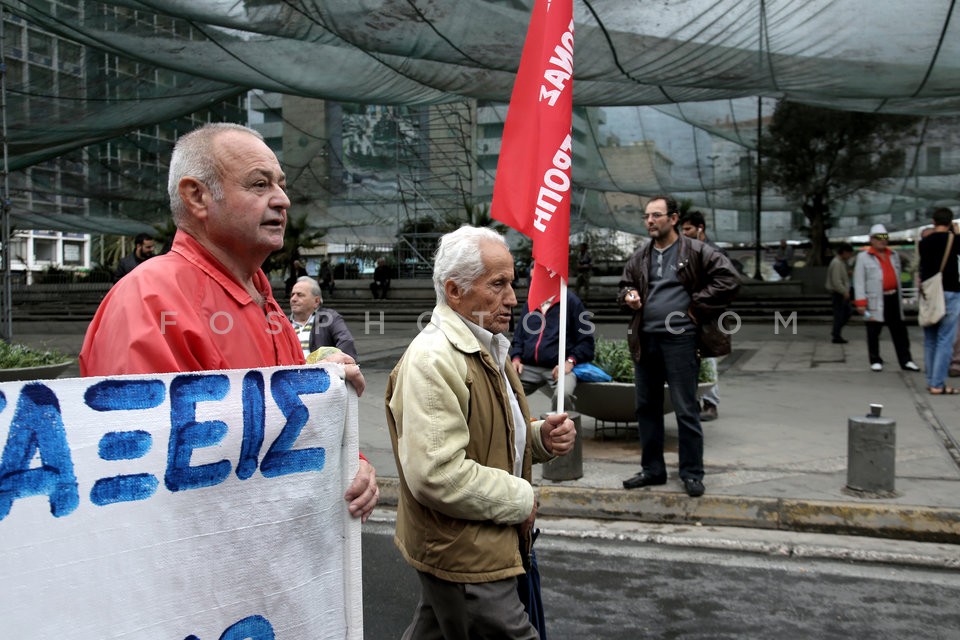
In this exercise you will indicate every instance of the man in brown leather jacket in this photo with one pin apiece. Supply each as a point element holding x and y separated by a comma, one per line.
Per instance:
<point>678,288</point>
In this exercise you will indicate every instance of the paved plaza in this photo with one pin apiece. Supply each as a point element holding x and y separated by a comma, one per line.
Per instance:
<point>775,459</point>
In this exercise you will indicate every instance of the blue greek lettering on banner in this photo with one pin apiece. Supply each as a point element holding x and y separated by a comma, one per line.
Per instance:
<point>254,420</point>
<point>286,386</point>
<point>187,434</point>
<point>124,395</point>
<point>37,430</point>
<point>250,628</point>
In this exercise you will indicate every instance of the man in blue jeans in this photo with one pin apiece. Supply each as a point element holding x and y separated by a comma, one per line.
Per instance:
<point>940,253</point>
<point>678,289</point>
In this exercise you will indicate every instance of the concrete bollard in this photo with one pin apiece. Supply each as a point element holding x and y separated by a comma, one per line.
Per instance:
<point>871,452</point>
<point>570,466</point>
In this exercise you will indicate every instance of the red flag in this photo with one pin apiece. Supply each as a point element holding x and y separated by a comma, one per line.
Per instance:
<point>532,188</point>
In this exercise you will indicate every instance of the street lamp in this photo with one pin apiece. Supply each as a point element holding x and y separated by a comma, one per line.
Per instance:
<point>756,270</point>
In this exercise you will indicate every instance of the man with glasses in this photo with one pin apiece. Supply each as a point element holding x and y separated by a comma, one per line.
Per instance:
<point>677,288</point>
<point>877,297</point>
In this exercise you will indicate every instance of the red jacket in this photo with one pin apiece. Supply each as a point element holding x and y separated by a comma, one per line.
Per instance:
<point>183,311</point>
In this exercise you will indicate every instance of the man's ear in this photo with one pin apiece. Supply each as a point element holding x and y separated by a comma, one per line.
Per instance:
<point>454,293</point>
<point>192,193</point>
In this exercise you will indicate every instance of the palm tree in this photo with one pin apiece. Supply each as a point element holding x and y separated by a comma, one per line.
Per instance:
<point>163,234</point>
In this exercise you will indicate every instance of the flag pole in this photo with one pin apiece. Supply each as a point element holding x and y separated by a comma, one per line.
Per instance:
<point>562,347</point>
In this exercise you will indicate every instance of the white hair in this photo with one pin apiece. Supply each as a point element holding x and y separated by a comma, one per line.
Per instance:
<point>460,258</point>
<point>193,156</point>
<point>314,286</point>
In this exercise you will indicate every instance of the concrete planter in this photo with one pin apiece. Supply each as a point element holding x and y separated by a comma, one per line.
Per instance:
<point>44,372</point>
<point>614,401</point>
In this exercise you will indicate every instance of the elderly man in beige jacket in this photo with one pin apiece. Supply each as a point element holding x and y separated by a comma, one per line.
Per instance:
<point>464,444</point>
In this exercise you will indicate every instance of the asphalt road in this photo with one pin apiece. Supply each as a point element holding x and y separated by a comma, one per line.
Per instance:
<point>621,589</point>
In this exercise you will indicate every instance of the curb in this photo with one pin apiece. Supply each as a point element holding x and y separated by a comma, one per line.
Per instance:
<point>921,524</point>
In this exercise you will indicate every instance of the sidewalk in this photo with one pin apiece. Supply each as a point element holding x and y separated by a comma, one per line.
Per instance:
<point>775,459</point>
<point>777,456</point>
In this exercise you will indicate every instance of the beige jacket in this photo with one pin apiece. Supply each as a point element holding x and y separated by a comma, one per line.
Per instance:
<point>452,431</point>
<point>838,276</point>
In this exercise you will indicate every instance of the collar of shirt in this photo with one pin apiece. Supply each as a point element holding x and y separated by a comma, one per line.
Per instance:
<point>546,304</point>
<point>191,250</point>
<point>498,346</point>
<point>495,344</point>
<point>675,240</point>
<point>298,325</point>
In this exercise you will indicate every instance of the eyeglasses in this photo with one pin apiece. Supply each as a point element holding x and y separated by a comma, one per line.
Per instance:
<point>654,216</point>
<point>880,236</point>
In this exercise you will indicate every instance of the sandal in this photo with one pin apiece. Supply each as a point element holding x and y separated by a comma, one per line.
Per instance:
<point>943,391</point>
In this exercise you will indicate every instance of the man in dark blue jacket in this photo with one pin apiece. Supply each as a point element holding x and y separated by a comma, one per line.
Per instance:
<point>536,343</point>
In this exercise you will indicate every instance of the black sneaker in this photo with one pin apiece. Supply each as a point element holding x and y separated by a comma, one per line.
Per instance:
<point>693,487</point>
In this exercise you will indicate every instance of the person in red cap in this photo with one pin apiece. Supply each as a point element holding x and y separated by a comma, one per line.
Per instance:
<point>877,297</point>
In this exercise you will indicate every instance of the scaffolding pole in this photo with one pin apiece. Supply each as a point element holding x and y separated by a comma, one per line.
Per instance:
<point>6,297</point>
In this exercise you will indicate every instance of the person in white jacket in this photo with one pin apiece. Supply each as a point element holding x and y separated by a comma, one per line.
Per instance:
<point>878,298</point>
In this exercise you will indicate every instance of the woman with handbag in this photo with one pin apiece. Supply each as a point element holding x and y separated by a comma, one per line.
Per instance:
<point>940,260</point>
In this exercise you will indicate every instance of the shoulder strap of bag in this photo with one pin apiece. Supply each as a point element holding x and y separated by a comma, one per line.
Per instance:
<point>946,253</point>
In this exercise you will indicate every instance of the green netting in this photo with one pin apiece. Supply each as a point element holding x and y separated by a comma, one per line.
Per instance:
<point>667,90</point>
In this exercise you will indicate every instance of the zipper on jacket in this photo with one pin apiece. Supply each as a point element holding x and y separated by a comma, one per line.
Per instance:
<point>543,330</point>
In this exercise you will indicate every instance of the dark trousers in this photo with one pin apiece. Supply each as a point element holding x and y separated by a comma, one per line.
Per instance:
<point>455,611</point>
<point>898,332</point>
<point>841,313</point>
<point>672,359</point>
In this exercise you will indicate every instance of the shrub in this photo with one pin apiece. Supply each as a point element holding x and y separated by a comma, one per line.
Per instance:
<point>54,275</point>
<point>613,356</point>
<point>16,356</point>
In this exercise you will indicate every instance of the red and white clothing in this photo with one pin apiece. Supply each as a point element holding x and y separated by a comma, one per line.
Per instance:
<point>183,311</point>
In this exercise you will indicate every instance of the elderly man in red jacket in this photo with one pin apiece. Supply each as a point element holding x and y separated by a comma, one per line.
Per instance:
<point>206,304</point>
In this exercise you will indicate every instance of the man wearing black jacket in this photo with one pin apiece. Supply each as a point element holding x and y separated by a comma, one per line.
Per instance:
<point>677,288</point>
<point>142,251</point>
<point>536,345</point>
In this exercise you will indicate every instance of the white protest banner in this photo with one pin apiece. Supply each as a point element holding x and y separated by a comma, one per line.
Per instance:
<point>190,506</point>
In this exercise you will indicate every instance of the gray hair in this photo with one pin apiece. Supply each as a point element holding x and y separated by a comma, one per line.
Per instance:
<point>460,258</point>
<point>193,156</point>
<point>314,286</point>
